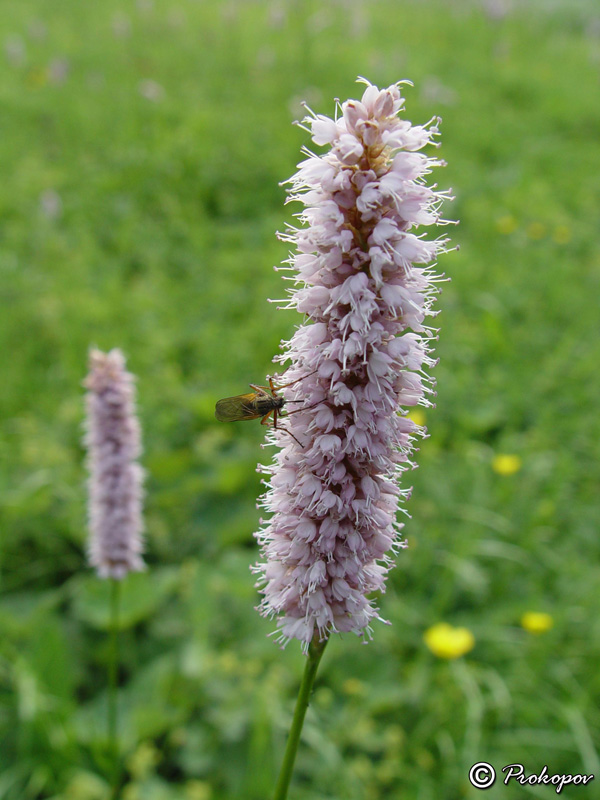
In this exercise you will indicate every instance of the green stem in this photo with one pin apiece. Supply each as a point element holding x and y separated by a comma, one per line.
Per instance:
<point>113,666</point>
<point>315,651</point>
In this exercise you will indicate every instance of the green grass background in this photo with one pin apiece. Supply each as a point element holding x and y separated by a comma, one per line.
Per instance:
<point>141,147</point>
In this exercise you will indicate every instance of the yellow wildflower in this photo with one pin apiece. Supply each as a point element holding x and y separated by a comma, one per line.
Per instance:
<point>229,663</point>
<point>561,234</point>
<point>141,762</point>
<point>38,77</point>
<point>353,686</point>
<point>506,464</point>
<point>537,622</point>
<point>197,790</point>
<point>444,641</point>
<point>417,416</point>
<point>506,224</point>
<point>536,230</point>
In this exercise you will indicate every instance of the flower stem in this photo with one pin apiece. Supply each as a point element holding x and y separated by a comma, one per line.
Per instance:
<point>113,665</point>
<point>315,651</point>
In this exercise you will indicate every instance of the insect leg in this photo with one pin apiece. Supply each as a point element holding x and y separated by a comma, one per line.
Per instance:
<point>304,408</point>
<point>266,417</point>
<point>280,428</point>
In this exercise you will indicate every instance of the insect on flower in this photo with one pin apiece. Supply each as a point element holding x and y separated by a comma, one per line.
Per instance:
<point>262,402</point>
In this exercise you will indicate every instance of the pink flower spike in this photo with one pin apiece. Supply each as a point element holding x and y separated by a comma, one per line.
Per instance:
<point>115,484</point>
<point>365,283</point>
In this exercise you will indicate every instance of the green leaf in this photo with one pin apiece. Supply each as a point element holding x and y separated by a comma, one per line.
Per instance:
<point>142,594</point>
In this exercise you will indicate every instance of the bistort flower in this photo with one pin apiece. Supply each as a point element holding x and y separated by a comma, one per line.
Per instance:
<point>357,365</point>
<point>115,483</point>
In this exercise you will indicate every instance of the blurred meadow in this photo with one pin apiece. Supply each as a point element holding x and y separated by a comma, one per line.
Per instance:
<point>142,146</point>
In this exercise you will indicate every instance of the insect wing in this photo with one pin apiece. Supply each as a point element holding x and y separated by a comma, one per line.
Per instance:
<point>232,409</point>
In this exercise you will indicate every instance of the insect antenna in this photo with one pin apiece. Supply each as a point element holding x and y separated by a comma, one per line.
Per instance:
<point>285,385</point>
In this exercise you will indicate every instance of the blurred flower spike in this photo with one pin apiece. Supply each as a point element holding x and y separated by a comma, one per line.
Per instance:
<point>358,364</point>
<point>115,478</point>
<point>444,641</point>
<point>537,622</point>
